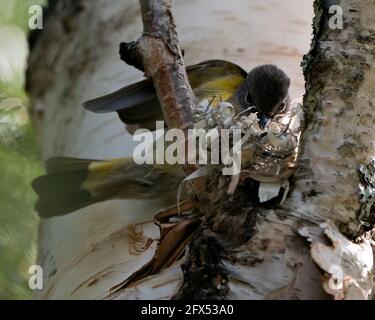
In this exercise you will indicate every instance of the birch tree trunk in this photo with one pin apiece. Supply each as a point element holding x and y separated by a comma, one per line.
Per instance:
<point>75,58</point>
<point>325,206</point>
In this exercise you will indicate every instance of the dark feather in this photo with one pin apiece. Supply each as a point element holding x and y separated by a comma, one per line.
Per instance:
<point>138,103</point>
<point>64,164</point>
<point>62,192</point>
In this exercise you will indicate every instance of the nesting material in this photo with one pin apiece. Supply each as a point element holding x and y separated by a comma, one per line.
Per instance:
<point>267,155</point>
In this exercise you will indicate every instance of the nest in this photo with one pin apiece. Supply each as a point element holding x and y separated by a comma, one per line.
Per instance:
<point>267,155</point>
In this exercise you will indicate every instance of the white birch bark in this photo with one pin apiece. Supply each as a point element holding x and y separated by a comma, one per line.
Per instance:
<point>76,58</point>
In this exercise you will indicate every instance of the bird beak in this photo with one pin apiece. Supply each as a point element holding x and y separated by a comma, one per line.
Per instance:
<point>263,120</point>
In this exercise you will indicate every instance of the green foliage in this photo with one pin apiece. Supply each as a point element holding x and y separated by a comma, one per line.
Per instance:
<point>18,222</point>
<point>19,165</point>
<point>16,12</point>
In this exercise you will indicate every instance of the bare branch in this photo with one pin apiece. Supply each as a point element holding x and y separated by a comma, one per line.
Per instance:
<point>157,52</point>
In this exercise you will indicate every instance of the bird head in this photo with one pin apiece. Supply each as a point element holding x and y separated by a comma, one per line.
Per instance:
<point>266,89</point>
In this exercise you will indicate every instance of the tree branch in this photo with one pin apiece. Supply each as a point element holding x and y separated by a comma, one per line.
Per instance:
<point>157,52</point>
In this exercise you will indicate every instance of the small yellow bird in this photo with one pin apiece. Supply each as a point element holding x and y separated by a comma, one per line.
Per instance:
<point>71,184</point>
<point>265,88</point>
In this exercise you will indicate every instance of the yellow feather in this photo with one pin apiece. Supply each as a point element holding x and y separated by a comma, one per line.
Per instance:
<point>99,170</point>
<point>225,87</point>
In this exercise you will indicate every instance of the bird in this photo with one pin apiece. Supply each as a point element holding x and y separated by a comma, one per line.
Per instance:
<point>71,183</point>
<point>265,88</point>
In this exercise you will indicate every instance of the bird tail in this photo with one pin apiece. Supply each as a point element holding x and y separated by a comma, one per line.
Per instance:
<point>62,189</point>
<point>71,184</point>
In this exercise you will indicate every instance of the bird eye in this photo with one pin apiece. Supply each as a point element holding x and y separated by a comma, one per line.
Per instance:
<point>248,98</point>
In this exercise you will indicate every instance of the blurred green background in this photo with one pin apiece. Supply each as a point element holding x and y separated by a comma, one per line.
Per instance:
<point>19,162</point>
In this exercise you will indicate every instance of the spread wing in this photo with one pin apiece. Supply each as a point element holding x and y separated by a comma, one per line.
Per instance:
<point>138,103</point>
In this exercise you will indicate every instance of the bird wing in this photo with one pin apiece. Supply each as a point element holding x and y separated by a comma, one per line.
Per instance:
<point>215,78</point>
<point>138,103</point>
